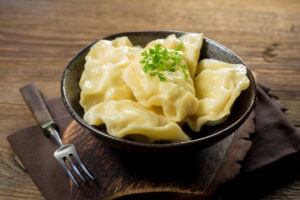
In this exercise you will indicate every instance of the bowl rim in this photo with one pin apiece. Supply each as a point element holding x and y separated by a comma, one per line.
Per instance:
<point>223,132</point>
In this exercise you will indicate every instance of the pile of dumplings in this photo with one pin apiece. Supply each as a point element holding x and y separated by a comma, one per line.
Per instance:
<point>115,90</point>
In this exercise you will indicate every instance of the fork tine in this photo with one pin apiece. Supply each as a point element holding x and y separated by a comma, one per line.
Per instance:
<point>63,164</point>
<point>75,154</point>
<point>75,169</point>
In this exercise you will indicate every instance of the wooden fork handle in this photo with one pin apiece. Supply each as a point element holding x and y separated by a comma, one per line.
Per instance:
<point>38,107</point>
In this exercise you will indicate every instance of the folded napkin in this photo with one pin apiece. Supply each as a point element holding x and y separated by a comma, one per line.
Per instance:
<point>275,139</point>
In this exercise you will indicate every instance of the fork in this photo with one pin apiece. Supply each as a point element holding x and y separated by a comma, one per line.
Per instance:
<point>65,152</point>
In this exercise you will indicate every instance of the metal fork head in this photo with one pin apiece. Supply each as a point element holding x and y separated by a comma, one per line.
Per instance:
<point>64,156</point>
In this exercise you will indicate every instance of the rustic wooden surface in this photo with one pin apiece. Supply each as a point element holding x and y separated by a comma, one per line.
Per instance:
<point>199,175</point>
<point>39,37</point>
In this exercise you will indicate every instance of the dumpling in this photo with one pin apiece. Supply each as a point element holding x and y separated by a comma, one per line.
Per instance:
<point>217,86</point>
<point>192,43</point>
<point>175,96</point>
<point>191,50</point>
<point>128,119</point>
<point>101,79</point>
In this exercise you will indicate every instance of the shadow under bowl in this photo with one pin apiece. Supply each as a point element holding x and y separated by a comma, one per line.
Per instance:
<point>208,136</point>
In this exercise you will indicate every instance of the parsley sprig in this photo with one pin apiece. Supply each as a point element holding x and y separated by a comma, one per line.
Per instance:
<point>159,60</point>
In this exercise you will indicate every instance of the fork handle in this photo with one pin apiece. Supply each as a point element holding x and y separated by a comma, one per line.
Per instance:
<point>38,108</point>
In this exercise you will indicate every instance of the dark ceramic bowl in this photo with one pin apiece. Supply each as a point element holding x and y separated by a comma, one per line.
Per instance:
<point>207,136</point>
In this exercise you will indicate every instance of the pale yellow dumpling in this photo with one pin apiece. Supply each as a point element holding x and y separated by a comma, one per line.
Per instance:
<point>175,96</point>
<point>126,118</point>
<point>101,79</point>
<point>192,43</point>
<point>217,86</point>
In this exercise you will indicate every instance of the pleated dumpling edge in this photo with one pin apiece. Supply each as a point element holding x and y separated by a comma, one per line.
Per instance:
<point>218,84</point>
<point>129,119</point>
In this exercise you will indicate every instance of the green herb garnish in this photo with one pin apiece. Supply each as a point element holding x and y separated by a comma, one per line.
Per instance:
<point>159,60</point>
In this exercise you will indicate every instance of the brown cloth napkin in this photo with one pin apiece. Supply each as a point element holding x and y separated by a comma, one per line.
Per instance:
<point>36,154</point>
<point>275,136</point>
<point>275,139</point>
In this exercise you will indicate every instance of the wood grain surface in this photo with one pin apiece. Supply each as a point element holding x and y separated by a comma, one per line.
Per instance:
<point>39,37</point>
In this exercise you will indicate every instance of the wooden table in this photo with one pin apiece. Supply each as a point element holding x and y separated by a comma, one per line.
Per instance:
<point>38,38</point>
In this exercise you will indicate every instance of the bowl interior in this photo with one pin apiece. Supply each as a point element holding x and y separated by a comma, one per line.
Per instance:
<point>207,136</point>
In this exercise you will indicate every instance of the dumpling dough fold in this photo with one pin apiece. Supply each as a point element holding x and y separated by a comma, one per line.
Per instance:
<point>126,118</point>
<point>191,50</point>
<point>217,86</point>
<point>100,80</point>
